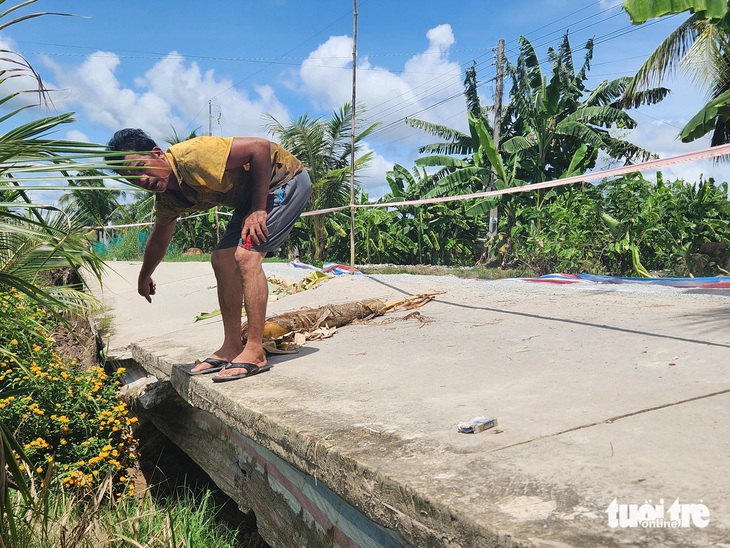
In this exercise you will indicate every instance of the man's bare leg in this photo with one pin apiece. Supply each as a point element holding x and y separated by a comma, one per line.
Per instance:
<point>230,300</point>
<point>255,298</point>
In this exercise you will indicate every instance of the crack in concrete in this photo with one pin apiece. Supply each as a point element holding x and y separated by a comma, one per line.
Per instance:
<point>614,419</point>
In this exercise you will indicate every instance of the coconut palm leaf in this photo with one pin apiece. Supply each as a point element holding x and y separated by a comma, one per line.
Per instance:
<point>700,47</point>
<point>324,147</point>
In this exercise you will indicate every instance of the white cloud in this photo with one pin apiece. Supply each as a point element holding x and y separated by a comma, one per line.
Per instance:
<point>372,178</point>
<point>426,79</point>
<point>660,137</point>
<point>78,136</point>
<point>173,93</point>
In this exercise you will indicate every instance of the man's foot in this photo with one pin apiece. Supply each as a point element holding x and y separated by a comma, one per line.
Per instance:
<point>208,365</point>
<point>240,370</point>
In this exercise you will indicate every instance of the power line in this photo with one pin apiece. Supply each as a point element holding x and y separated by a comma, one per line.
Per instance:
<point>422,92</point>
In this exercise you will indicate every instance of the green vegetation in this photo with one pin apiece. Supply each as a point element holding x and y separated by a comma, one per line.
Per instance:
<point>553,126</point>
<point>627,226</point>
<point>70,419</point>
<point>699,47</point>
<point>472,273</point>
<point>65,437</point>
<point>68,522</point>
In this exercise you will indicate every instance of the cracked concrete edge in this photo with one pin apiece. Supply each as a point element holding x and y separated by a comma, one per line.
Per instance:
<point>382,499</point>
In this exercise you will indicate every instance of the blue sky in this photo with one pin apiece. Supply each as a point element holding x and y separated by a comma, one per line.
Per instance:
<point>158,65</point>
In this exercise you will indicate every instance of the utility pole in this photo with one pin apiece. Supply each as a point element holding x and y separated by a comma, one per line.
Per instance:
<point>498,90</point>
<point>352,139</point>
<point>210,118</point>
<point>210,134</point>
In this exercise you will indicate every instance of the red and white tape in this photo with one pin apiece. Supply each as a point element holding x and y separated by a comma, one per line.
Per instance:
<point>703,154</point>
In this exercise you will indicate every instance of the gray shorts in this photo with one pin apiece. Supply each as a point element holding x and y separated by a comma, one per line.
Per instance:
<point>284,206</point>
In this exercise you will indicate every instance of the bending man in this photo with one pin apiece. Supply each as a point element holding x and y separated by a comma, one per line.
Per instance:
<point>268,188</point>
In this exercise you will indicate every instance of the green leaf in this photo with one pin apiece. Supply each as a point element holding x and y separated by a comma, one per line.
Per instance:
<point>577,161</point>
<point>440,160</point>
<point>487,145</point>
<point>641,11</point>
<point>706,119</point>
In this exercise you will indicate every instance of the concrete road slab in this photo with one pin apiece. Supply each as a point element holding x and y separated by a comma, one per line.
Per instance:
<point>601,393</point>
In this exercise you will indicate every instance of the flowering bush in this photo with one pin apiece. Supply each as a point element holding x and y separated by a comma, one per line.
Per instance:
<point>72,417</point>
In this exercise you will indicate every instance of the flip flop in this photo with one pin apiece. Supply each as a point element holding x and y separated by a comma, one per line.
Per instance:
<point>216,365</point>
<point>252,369</point>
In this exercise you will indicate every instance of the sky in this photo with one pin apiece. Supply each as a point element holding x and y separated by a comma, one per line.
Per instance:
<point>223,65</point>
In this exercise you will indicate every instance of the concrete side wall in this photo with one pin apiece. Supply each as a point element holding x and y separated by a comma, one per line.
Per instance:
<point>292,509</point>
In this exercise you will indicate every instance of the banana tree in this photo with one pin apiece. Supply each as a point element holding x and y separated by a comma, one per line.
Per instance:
<point>549,120</point>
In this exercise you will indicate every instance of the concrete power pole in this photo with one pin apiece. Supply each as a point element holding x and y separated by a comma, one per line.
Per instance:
<point>352,137</point>
<point>498,90</point>
<point>210,118</point>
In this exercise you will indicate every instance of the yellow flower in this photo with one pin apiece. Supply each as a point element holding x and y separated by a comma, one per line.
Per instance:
<point>14,342</point>
<point>39,470</point>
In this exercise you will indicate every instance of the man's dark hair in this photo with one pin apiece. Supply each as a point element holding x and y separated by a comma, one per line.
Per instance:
<point>128,140</point>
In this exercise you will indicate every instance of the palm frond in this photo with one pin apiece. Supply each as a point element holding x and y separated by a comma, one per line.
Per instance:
<point>664,60</point>
<point>438,130</point>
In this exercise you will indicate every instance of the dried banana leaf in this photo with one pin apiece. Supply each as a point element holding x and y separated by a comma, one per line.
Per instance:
<point>279,289</point>
<point>331,316</point>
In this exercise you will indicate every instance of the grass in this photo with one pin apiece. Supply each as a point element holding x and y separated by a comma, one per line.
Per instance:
<point>186,521</point>
<point>476,272</point>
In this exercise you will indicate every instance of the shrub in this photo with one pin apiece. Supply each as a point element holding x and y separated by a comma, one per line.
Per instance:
<point>72,418</point>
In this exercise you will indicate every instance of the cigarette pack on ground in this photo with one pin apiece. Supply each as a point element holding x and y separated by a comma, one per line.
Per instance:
<point>477,425</point>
